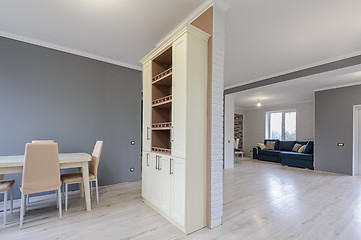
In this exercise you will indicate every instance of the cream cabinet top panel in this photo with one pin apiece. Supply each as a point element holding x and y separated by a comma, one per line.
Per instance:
<point>186,28</point>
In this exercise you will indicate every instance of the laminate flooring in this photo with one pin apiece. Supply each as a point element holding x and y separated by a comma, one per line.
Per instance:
<point>261,201</point>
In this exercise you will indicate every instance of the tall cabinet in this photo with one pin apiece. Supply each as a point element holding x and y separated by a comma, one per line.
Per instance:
<point>174,128</point>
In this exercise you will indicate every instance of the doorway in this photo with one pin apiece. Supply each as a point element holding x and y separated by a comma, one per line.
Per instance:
<point>357,140</point>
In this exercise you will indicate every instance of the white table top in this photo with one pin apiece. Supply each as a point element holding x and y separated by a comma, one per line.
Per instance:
<point>18,161</point>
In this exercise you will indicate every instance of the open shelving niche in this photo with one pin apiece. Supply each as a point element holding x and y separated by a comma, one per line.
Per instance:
<point>162,102</point>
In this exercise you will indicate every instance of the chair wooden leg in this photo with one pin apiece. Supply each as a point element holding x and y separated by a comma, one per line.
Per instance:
<point>12,200</point>
<point>66,197</point>
<point>22,210</point>
<point>96,190</point>
<point>5,206</point>
<point>59,203</point>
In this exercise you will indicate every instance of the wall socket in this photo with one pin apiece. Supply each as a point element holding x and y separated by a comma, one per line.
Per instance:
<point>132,169</point>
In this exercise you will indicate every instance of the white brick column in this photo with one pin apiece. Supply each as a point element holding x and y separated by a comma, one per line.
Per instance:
<point>217,118</point>
<point>229,131</point>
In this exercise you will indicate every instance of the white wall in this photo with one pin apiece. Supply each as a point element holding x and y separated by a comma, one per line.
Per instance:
<point>229,132</point>
<point>254,123</point>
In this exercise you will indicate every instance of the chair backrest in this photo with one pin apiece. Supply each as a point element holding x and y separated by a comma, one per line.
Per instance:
<point>41,170</point>
<point>236,142</point>
<point>93,166</point>
<point>42,141</point>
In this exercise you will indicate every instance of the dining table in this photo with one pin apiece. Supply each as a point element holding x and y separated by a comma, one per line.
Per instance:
<point>14,164</point>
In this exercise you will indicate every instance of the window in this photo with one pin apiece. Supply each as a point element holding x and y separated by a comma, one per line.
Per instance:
<point>281,125</point>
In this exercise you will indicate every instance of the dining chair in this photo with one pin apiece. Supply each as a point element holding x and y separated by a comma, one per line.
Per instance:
<point>41,173</point>
<point>73,178</point>
<point>236,150</point>
<point>5,186</point>
<point>236,143</point>
<point>42,141</point>
<point>37,141</point>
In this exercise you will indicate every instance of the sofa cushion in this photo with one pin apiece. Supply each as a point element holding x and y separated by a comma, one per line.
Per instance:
<point>261,145</point>
<point>296,155</point>
<point>286,145</point>
<point>302,149</point>
<point>270,145</point>
<point>302,142</point>
<point>268,152</point>
<point>296,147</point>
<point>309,148</point>
<point>272,140</point>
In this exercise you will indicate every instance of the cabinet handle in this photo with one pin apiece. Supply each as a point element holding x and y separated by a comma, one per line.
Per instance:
<point>147,159</point>
<point>172,134</point>
<point>156,162</point>
<point>148,128</point>
<point>159,163</point>
<point>171,169</point>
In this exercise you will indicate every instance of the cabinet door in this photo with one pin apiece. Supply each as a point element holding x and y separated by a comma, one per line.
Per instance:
<point>146,179</point>
<point>147,105</point>
<point>157,182</point>
<point>165,172</point>
<point>179,96</point>
<point>178,190</point>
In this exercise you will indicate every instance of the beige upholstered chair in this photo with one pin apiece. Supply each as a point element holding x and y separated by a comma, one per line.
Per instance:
<point>42,141</point>
<point>41,172</point>
<point>5,186</point>
<point>38,141</point>
<point>72,178</point>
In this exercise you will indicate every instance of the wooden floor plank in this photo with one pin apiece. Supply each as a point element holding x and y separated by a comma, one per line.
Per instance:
<point>261,201</point>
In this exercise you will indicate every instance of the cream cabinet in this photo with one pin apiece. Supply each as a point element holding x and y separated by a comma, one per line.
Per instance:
<point>146,171</point>
<point>147,106</point>
<point>165,184</point>
<point>174,131</point>
<point>178,190</point>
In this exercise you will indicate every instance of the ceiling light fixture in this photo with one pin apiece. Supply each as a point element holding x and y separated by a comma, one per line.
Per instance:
<point>259,104</point>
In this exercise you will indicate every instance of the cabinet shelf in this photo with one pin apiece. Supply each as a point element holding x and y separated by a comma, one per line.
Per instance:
<point>164,102</point>
<point>161,150</point>
<point>164,78</point>
<point>161,126</point>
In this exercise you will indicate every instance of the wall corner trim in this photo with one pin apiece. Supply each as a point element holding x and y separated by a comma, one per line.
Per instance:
<point>67,50</point>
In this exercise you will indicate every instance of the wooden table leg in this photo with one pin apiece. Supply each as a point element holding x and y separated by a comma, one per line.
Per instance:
<point>85,170</point>
<point>81,188</point>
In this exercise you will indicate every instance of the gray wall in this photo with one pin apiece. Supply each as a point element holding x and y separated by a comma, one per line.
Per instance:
<point>334,124</point>
<point>48,94</point>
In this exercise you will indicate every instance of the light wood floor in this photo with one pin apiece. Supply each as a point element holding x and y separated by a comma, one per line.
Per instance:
<point>261,201</point>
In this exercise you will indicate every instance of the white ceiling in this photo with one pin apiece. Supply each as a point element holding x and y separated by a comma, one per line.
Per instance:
<point>297,90</point>
<point>269,37</point>
<point>118,31</point>
<point>263,37</point>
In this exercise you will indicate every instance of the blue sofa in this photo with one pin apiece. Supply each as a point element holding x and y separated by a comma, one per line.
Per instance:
<point>283,153</point>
